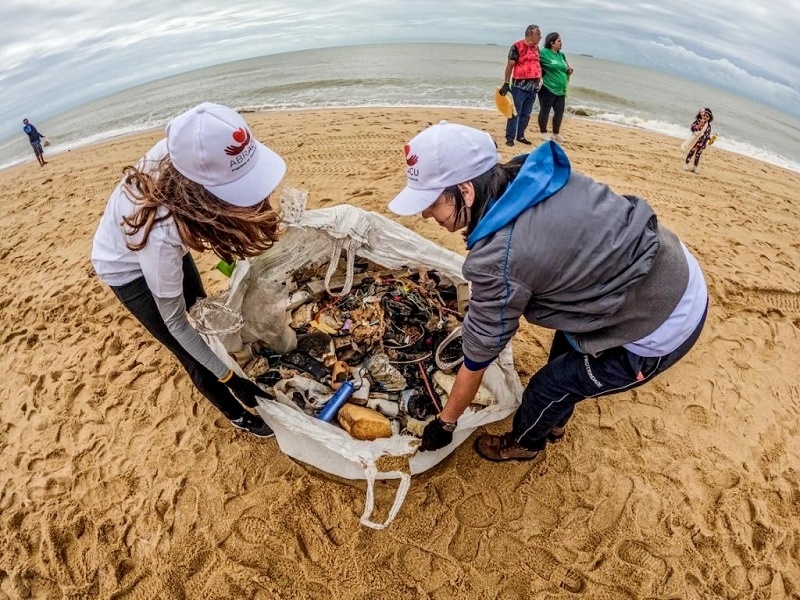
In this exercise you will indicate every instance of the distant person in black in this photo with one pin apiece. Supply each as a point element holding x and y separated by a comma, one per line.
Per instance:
<point>36,140</point>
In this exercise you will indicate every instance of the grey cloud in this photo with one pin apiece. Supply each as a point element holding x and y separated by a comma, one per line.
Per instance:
<point>65,52</point>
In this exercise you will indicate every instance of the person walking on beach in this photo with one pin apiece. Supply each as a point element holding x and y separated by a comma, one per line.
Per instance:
<point>626,298</point>
<point>35,138</point>
<point>522,78</point>
<point>206,186</point>
<point>700,138</point>
<point>555,80</point>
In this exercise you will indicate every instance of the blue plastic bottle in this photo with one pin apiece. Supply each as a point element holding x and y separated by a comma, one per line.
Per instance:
<point>333,405</point>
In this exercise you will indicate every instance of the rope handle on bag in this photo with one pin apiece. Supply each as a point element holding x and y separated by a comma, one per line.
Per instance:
<point>338,244</point>
<point>371,472</point>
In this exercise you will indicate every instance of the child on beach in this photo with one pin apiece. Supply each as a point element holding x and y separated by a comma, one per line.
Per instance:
<point>206,186</point>
<point>700,138</point>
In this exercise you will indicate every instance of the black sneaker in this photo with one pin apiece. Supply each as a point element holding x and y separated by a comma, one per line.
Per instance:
<point>509,142</point>
<point>525,141</point>
<point>253,424</point>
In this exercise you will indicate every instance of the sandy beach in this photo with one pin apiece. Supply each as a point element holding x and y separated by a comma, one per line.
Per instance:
<point>119,480</point>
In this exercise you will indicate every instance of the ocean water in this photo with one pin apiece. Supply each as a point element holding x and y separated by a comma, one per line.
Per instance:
<point>427,75</point>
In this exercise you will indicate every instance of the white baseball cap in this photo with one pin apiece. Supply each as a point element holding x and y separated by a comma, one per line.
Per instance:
<point>442,155</point>
<point>212,145</point>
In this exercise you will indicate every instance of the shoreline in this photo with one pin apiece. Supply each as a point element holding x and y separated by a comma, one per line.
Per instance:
<point>773,159</point>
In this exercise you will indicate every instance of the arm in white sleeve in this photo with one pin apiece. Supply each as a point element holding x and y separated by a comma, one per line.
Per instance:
<point>173,311</point>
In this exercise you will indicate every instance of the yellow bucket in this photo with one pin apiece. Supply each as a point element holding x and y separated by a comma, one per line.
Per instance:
<point>504,104</point>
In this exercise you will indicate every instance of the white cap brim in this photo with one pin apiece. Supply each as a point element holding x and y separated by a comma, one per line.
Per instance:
<point>258,183</point>
<point>411,202</point>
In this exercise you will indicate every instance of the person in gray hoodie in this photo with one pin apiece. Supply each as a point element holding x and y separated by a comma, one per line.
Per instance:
<point>625,297</point>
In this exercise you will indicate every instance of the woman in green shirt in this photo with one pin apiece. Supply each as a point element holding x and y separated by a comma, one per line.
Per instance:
<point>553,91</point>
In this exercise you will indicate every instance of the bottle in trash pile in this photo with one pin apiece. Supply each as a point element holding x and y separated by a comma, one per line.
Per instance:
<point>335,403</point>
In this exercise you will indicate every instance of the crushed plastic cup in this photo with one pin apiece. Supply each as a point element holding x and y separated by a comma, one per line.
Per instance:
<point>293,204</point>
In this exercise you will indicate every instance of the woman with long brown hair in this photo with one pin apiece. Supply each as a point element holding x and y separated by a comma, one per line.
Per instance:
<point>206,186</point>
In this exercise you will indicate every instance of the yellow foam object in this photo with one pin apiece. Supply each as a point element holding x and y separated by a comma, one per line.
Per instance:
<point>504,104</point>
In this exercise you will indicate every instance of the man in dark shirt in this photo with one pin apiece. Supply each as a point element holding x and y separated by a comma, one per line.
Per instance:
<point>35,139</point>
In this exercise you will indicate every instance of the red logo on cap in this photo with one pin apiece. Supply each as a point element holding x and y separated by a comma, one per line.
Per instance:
<point>410,160</point>
<point>242,136</point>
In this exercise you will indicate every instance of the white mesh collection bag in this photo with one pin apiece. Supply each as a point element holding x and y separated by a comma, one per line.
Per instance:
<point>315,237</point>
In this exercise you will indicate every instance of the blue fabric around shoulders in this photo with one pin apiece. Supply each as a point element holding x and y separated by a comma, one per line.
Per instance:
<point>544,172</point>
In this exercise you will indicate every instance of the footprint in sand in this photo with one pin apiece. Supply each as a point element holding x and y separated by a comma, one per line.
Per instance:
<point>473,514</point>
<point>640,555</point>
<point>512,552</point>
<point>736,578</point>
<point>479,510</point>
<point>428,569</point>
<point>697,415</point>
<point>695,588</point>
<point>760,576</point>
<point>609,511</point>
<point>546,566</point>
<point>604,520</point>
<point>67,550</point>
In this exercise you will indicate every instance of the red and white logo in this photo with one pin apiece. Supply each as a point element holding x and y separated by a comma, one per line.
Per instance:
<point>242,138</point>
<point>411,159</point>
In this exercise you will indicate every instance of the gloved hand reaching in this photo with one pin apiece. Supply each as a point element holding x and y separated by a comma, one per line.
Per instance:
<point>245,390</point>
<point>504,89</point>
<point>437,434</point>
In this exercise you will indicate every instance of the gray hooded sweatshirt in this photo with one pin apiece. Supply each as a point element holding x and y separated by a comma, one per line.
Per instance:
<point>583,260</point>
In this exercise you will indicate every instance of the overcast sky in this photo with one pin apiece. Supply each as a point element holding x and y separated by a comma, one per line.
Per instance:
<point>57,54</point>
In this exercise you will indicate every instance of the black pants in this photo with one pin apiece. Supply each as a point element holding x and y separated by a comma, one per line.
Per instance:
<point>138,299</point>
<point>548,100</point>
<point>570,376</point>
<point>696,151</point>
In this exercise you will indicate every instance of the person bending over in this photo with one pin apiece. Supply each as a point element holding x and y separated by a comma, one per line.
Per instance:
<point>206,186</point>
<point>626,298</point>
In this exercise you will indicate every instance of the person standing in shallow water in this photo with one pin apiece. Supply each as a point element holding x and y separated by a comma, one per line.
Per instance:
<point>206,186</point>
<point>700,138</point>
<point>35,138</point>
<point>523,64</point>
<point>626,298</point>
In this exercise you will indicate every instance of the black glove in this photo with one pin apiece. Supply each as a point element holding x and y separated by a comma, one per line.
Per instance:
<point>246,391</point>
<point>504,89</point>
<point>435,436</point>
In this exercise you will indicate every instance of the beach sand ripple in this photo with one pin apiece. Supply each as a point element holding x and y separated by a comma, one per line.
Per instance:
<point>120,481</point>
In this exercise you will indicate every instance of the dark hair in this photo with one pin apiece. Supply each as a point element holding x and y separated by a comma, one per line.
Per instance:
<point>551,39</point>
<point>204,221</point>
<point>530,29</point>
<point>488,187</point>
<point>704,110</point>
